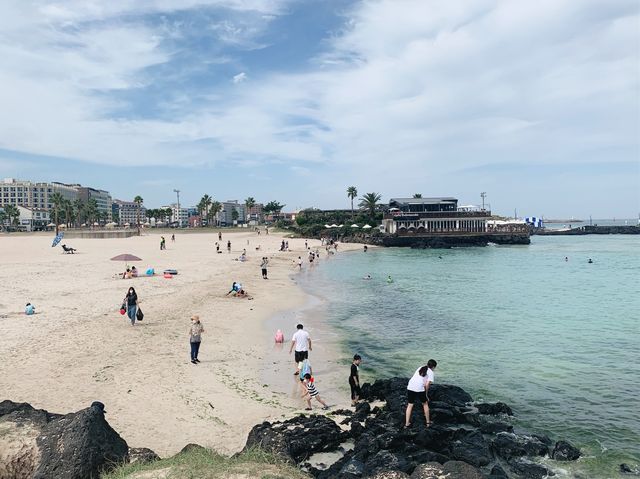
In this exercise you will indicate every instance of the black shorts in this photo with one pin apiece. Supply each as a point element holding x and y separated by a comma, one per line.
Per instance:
<point>413,397</point>
<point>301,356</point>
<point>264,271</point>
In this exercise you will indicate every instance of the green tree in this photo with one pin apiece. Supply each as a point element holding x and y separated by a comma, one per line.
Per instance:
<point>91,211</point>
<point>214,209</point>
<point>138,201</point>
<point>56,200</point>
<point>417,195</point>
<point>78,210</point>
<point>67,208</point>
<point>369,203</point>
<point>13,214</point>
<point>234,214</point>
<point>273,207</point>
<point>248,204</point>
<point>352,192</point>
<point>206,205</point>
<point>3,218</point>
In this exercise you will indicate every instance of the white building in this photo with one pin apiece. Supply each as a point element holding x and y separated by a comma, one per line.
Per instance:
<point>33,218</point>
<point>178,217</point>
<point>127,213</point>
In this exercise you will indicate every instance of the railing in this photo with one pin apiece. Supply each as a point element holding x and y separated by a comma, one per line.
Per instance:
<point>409,216</point>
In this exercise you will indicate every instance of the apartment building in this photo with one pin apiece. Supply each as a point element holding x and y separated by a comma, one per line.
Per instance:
<point>33,194</point>
<point>226,217</point>
<point>126,213</point>
<point>101,197</point>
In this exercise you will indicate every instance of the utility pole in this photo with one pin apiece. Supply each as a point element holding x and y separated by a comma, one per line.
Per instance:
<point>483,195</point>
<point>177,192</point>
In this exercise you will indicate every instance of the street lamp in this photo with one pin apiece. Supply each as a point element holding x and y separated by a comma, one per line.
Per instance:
<point>177,192</point>
<point>483,195</point>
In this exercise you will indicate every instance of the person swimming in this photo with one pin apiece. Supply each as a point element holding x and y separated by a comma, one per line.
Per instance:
<point>389,280</point>
<point>367,277</point>
<point>590,261</point>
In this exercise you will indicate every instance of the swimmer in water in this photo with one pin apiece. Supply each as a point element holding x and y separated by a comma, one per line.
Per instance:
<point>389,280</point>
<point>590,261</point>
<point>367,277</point>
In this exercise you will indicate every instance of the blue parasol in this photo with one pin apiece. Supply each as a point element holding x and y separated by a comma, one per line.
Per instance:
<point>57,239</point>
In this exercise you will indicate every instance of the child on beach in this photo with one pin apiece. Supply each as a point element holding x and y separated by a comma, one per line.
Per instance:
<point>354,379</point>
<point>29,309</point>
<point>312,392</point>
<point>417,391</point>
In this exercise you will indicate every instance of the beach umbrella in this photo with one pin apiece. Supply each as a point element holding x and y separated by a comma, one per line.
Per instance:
<point>340,226</point>
<point>96,224</point>
<point>355,226</point>
<point>126,257</point>
<point>51,225</point>
<point>334,225</point>
<point>327,226</point>
<point>57,239</point>
<point>366,227</point>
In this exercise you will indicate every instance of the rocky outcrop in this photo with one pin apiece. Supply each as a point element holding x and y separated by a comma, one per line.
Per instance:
<point>465,440</point>
<point>37,444</point>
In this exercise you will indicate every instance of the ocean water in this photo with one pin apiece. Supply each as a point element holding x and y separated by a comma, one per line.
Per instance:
<point>559,341</point>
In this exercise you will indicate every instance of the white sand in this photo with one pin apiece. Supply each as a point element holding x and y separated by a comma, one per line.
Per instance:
<point>78,348</point>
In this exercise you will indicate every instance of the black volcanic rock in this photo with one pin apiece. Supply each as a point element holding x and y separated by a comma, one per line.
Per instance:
<point>142,455</point>
<point>473,449</point>
<point>530,470</point>
<point>386,461</point>
<point>509,445</point>
<point>494,408</point>
<point>71,446</point>
<point>298,438</point>
<point>565,451</point>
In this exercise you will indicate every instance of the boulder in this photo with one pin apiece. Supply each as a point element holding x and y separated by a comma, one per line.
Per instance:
<point>509,445</point>
<point>192,447</point>
<point>472,448</point>
<point>526,469</point>
<point>353,468</point>
<point>37,444</point>
<point>452,395</point>
<point>462,470</point>
<point>494,408</point>
<point>565,451</point>
<point>298,438</point>
<point>430,470</point>
<point>386,461</point>
<point>497,472</point>
<point>363,409</point>
<point>142,455</point>
<point>389,475</point>
<point>625,469</point>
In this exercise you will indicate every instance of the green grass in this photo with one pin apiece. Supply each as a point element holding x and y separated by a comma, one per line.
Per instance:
<point>208,464</point>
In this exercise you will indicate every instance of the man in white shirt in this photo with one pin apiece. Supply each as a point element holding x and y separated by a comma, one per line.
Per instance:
<point>302,342</point>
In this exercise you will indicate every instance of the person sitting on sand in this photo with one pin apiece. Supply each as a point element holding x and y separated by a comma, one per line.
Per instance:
<point>29,309</point>
<point>234,288</point>
<point>312,392</point>
<point>126,274</point>
<point>242,258</point>
<point>134,271</point>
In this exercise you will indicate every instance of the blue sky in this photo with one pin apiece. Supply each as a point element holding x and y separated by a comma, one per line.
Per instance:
<point>536,103</point>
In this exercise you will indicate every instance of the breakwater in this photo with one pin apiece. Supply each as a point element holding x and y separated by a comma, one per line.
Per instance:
<point>103,234</point>
<point>590,230</point>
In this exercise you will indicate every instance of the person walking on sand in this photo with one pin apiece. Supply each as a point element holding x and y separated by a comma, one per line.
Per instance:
<point>173,238</point>
<point>131,300</point>
<point>354,379</point>
<point>195,337</point>
<point>219,235</point>
<point>417,390</point>
<point>312,392</point>
<point>299,262</point>
<point>229,246</point>
<point>302,342</point>
<point>263,266</point>
<point>162,243</point>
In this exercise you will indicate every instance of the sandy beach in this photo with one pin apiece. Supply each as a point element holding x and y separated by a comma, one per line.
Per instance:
<point>78,348</point>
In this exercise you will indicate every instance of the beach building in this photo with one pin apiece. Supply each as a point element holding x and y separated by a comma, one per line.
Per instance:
<point>126,213</point>
<point>411,220</point>
<point>226,216</point>
<point>102,198</point>
<point>33,219</point>
<point>179,217</point>
<point>255,214</point>
<point>34,194</point>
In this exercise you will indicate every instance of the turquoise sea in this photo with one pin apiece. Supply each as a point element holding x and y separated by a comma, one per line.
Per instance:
<point>559,341</point>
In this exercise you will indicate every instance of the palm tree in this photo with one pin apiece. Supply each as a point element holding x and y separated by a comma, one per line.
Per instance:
<point>13,213</point>
<point>417,195</point>
<point>3,217</point>
<point>78,206</point>
<point>56,200</point>
<point>91,211</point>
<point>206,203</point>
<point>214,209</point>
<point>369,202</point>
<point>248,204</point>
<point>67,207</point>
<point>138,201</point>
<point>352,192</point>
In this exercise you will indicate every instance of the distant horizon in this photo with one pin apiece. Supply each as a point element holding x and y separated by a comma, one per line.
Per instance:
<point>296,100</point>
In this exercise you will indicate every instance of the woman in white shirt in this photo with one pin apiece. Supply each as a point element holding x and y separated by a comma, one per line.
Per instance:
<point>417,390</point>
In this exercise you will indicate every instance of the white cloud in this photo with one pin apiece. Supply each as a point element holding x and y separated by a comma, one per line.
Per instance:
<point>408,93</point>
<point>239,78</point>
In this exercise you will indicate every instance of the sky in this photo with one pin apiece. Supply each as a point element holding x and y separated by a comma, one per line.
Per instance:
<point>535,103</point>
